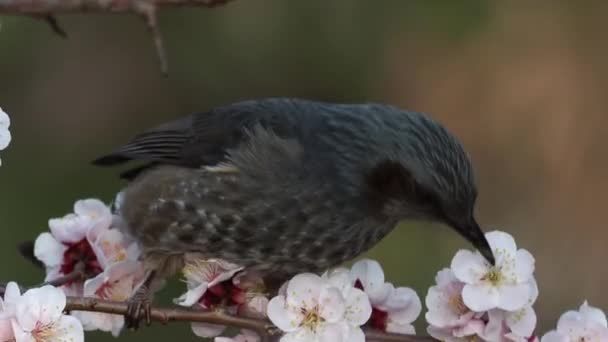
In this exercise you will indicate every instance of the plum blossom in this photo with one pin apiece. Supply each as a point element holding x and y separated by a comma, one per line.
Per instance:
<point>394,309</point>
<point>83,239</point>
<point>447,314</point>
<point>206,282</point>
<point>5,134</point>
<point>312,309</point>
<point>505,285</point>
<point>38,316</point>
<point>586,324</point>
<point>249,294</point>
<point>116,283</point>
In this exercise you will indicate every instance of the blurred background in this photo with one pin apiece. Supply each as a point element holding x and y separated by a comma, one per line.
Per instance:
<point>522,85</point>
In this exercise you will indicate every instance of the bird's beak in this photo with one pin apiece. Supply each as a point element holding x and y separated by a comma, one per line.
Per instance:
<point>473,233</point>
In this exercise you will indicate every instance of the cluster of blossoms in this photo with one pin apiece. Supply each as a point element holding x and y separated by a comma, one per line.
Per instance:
<point>586,324</point>
<point>309,307</point>
<point>334,306</point>
<point>88,241</point>
<point>5,134</point>
<point>476,300</point>
<point>36,315</point>
<point>471,301</point>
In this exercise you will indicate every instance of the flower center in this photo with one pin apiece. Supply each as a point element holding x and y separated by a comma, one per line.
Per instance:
<point>311,318</point>
<point>457,305</point>
<point>43,333</point>
<point>379,319</point>
<point>494,276</point>
<point>80,251</point>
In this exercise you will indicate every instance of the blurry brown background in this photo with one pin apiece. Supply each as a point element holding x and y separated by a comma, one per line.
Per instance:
<point>521,83</point>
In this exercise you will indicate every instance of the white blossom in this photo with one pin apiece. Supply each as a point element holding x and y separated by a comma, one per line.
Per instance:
<point>203,277</point>
<point>505,285</point>
<point>447,314</point>
<point>116,283</point>
<point>586,324</point>
<point>39,317</point>
<point>312,309</point>
<point>394,309</point>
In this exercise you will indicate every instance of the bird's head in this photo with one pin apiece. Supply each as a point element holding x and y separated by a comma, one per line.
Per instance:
<point>422,172</point>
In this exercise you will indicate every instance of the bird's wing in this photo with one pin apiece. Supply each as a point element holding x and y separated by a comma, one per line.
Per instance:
<point>204,138</point>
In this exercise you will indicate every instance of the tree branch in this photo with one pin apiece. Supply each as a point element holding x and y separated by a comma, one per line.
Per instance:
<point>264,328</point>
<point>147,9</point>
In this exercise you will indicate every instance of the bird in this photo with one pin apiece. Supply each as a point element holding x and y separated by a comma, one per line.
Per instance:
<point>287,185</point>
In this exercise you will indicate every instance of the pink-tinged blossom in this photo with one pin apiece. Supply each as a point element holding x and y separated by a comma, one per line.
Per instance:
<point>312,309</point>
<point>83,238</point>
<point>447,314</point>
<point>505,285</point>
<point>205,282</point>
<point>394,309</point>
<point>117,283</point>
<point>586,324</point>
<point>248,293</point>
<point>39,317</point>
<point>5,134</point>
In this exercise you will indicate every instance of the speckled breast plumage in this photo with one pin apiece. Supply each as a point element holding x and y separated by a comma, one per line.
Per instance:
<point>268,227</point>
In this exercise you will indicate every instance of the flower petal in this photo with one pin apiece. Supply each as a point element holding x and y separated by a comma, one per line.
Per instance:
<point>524,265</point>
<point>480,297</point>
<point>303,290</point>
<point>370,274</point>
<point>207,329</point>
<point>282,316</point>
<point>300,335</point>
<point>554,336</point>
<point>400,328</point>
<point>522,322</point>
<point>52,302</point>
<point>513,297</point>
<point>12,293</point>
<point>407,306</point>
<point>469,267</point>
<point>501,242</point>
<point>191,296</point>
<point>355,334</point>
<point>67,328</point>
<point>48,250</point>
<point>6,330</point>
<point>593,314</point>
<point>445,277</point>
<point>333,332</point>
<point>358,307</point>
<point>331,304</point>
<point>70,228</point>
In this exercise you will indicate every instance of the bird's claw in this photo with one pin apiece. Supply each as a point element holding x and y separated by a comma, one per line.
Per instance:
<point>139,308</point>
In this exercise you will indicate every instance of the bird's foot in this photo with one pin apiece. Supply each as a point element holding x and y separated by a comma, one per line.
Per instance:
<point>139,307</point>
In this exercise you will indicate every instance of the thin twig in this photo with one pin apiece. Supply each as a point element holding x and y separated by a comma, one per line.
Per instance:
<point>76,275</point>
<point>147,9</point>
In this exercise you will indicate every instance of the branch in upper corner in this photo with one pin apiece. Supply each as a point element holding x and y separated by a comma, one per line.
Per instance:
<point>147,9</point>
